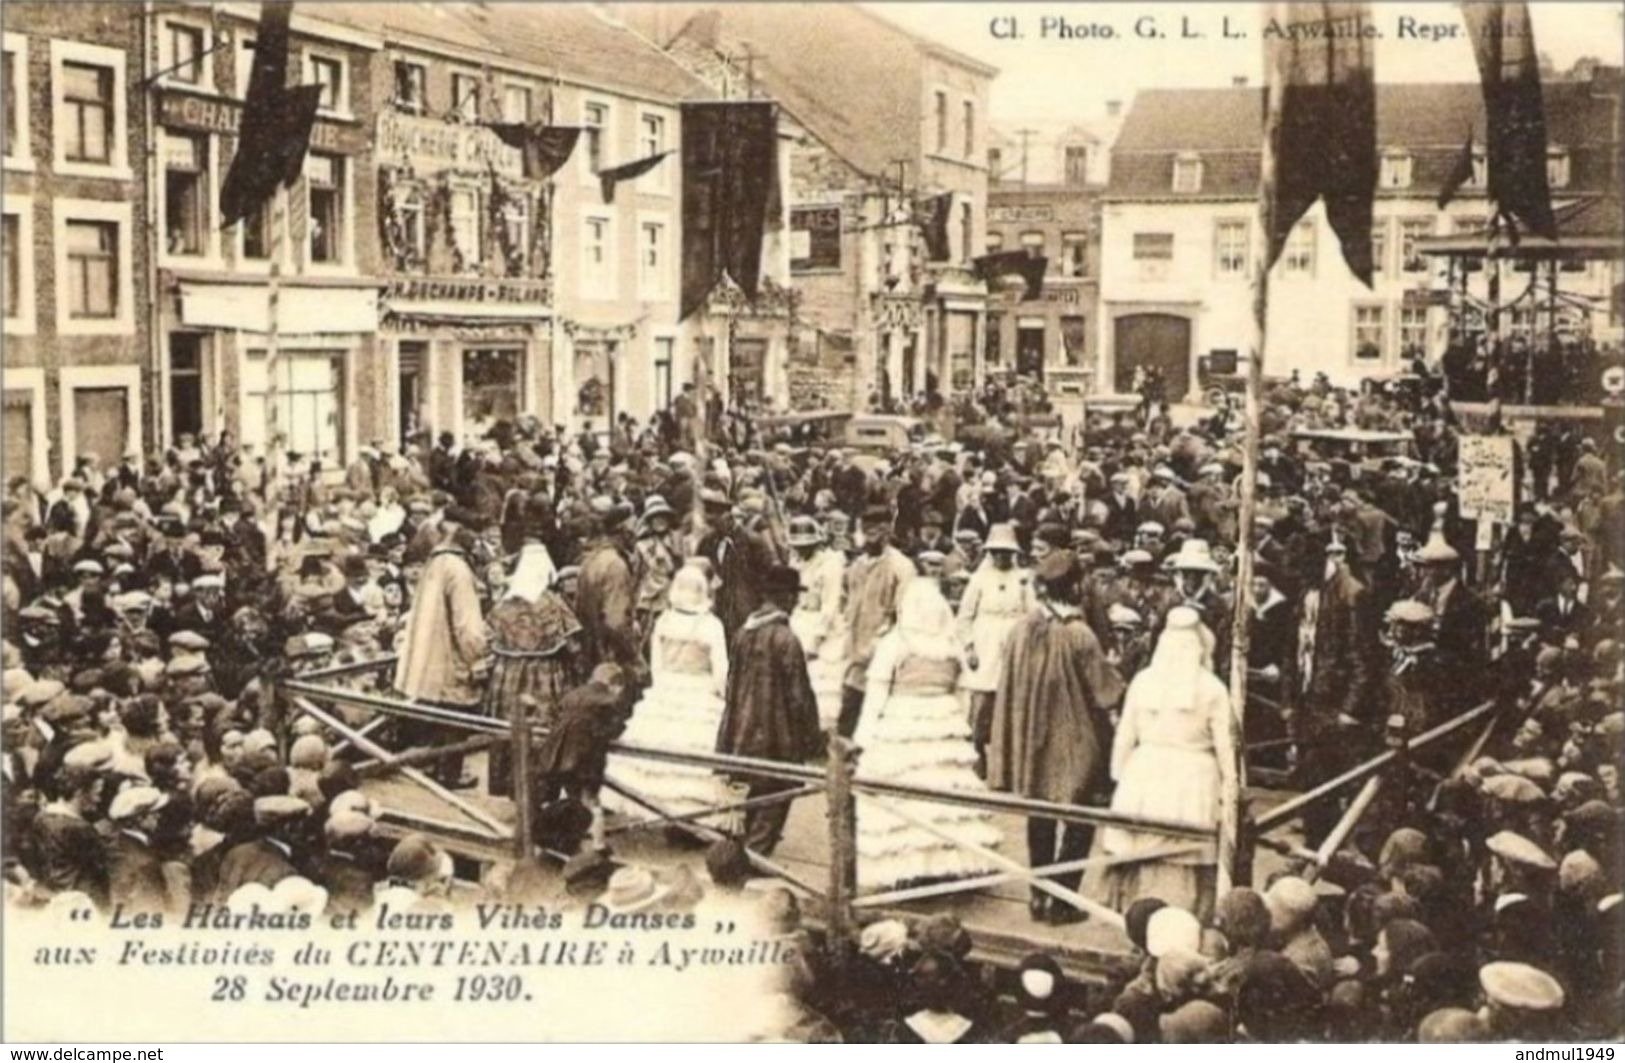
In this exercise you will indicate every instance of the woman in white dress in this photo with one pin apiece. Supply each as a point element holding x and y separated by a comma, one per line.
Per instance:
<point>680,710</point>
<point>998,597</point>
<point>817,619</point>
<point>913,730</point>
<point>1170,758</point>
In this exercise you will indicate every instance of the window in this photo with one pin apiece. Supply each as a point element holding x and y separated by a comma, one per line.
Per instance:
<point>1074,338</point>
<point>466,235</point>
<point>1033,244</point>
<point>665,349</point>
<point>1075,254</point>
<point>970,129</point>
<point>245,61</point>
<point>995,242</point>
<point>1075,165</point>
<point>1413,331</point>
<point>594,120</point>
<point>652,141</point>
<point>815,238</point>
<point>465,97</point>
<point>1557,167</point>
<point>1230,248</point>
<point>10,83</point>
<point>185,384</point>
<point>1379,246</point>
<point>1411,232</point>
<point>597,276</point>
<point>992,345</point>
<point>92,281</point>
<point>1395,171</point>
<point>1187,174</point>
<point>186,194</point>
<point>411,81</point>
<point>1153,246</point>
<point>87,96</point>
<point>325,176</point>
<point>256,230</point>
<point>995,163</point>
<point>1368,332</point>
<point>1299,253</point>
<point>967,231</point>
<point>516,103</point>
<point>413,234</point>
<point>11,247</point>
<point>328,72</point>
<point>942,121</point>
<point>1155,254</point>
<point>652,258</point>
<point>184,49</point>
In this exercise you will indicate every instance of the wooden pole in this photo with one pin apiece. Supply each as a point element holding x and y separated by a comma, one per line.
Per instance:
<point>842,813</point>
<point>273,303</point>
<point>1234,853</point>
<point>520,733</point>
<point>1345,826</point>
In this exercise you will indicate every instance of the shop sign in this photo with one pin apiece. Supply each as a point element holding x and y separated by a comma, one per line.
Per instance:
<point>467,290</point>
<point>1022,212</point>
<point>205,114</point>
<point>432,145</point>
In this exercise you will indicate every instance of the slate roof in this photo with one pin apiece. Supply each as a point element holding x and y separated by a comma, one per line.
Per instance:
<point>573,39</point>
<point>1429,121</point>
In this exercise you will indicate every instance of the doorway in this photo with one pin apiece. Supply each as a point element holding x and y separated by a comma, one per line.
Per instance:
<point>1153,341</point>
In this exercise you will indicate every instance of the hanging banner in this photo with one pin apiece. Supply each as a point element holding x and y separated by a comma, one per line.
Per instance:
<point>1486,478</point>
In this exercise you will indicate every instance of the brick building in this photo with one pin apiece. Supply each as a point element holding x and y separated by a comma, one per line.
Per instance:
<point>77,305</point>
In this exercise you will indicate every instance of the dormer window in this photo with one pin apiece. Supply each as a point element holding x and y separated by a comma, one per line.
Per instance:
<point>1481,171</point>
<point>1396,170</point>
<point>1557,167</point>
<point>1188,173</point>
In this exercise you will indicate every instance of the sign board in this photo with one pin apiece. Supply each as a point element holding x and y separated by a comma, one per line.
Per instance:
<point>207,114</point>
<point>815,238</point>
<point>1021,212</point>
<point>433,145</point>
<point>468,290</point>
<point>1486,481</point>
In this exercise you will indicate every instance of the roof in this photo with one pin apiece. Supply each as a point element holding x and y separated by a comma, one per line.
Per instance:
<point>855,89</point>
<point>1588,229</point>
<point>1430,121</point>
<point>576,41</point>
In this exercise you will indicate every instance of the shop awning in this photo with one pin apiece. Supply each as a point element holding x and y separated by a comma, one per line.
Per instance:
<point>300,309</point>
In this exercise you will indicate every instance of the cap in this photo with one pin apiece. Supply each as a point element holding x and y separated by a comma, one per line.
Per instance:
<point>1517,849</point>
<point>1520,987</point>
<point>278,808</point>
<point>188,640</point>
<point>1171,929</point>
<point>39,692</point>
<point>1002,537</point>
<point>136,801</point>
<point>1410,611</point>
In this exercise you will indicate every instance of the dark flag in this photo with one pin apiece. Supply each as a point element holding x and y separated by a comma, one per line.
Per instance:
<point>730,157</point>
<point>1514,115</point>
<point>543,148</point>
<point>275,130</point>
<point>1318,58</point>
<point>608,179</point>
<point>1031,268</point>
<point>1460,173</point>
<point>932,218</point>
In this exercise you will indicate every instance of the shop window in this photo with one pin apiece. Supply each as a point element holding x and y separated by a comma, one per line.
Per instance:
<point>186,194</point>
<point>93,282</point>
<point>185,384</point>
<point>491,388</point>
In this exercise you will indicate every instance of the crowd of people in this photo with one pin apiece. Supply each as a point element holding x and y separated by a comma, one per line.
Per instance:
<point>1015,616</point>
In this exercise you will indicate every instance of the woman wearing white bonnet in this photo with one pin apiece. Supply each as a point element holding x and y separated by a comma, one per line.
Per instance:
<point>1171,752</point>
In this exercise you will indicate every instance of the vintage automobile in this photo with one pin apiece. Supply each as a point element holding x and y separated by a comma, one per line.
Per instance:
<point>1356,444</point>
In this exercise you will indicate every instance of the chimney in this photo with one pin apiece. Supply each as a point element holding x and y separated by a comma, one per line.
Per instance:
<point>1238,81</point>
<point>1114,108</point>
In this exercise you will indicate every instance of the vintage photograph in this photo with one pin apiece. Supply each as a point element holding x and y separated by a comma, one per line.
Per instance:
<point>865,522</point>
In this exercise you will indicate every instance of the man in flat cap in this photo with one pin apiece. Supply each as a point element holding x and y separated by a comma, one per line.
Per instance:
<point>69,853</point>
<point>136,879</point>
<point>268,857</point>
<point>738,557</point>
<point>605,591</point>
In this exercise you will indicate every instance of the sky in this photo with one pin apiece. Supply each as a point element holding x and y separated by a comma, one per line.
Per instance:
<point>1047,79</point>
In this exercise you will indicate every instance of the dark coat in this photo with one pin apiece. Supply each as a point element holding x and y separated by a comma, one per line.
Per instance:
<point>740,558</point>
<point>69,855</point>
<point>604,597</point>
<point>135,874</point>
<point>253,861</point>
<point>1337,681</point>
<point>770,710</point>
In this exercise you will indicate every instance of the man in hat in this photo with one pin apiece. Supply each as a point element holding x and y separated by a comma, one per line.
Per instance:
<point>875,582</point>
<point>738,558</point>
<point>605,593</point>
<point>268,857</point>
<point>1050,726</point>
<point>446,640</point>
<point>996,599</point>
<point>1122,511</point>
<point>69,853</point>
<point>770,710</point>
<point>1458,612</point>
<point>204,610</point>
<point>1329,677</point>
<point>1563,615</point>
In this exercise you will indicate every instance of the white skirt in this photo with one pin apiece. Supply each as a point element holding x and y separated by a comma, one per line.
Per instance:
<point>922,740</point>
<point>1165,782</point>
<point>681,714</point>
